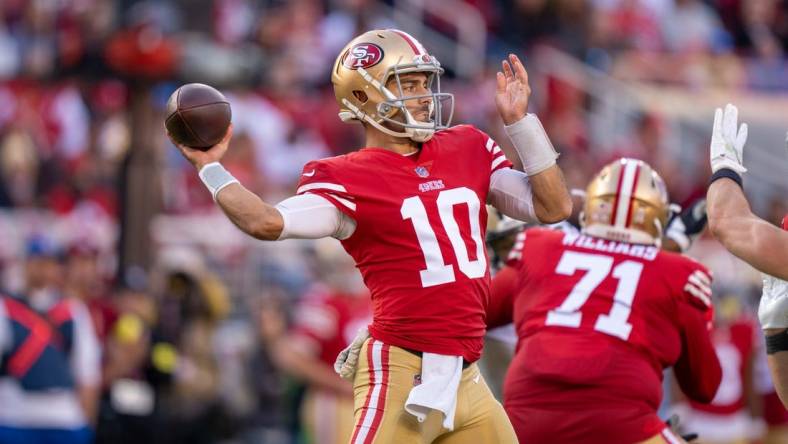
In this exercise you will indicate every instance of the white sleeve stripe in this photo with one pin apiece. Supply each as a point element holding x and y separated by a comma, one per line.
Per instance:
<point>490,144</point>
<point>694,280</point>
<point>343,201</point>
<point>499,160</point>
<point>496,150</point>
<point>691,289</point>
<point>703,277</point>
<point>324,185</point>
<point>670,437</point>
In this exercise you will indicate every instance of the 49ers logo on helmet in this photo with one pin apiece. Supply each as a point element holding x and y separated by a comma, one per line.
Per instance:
<point>363,55</point>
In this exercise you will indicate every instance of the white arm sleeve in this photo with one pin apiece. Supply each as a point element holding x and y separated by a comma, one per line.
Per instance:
<point>532,145</point>
<point>86,351</point>
<point>510,192</point>
<point>309,216</point>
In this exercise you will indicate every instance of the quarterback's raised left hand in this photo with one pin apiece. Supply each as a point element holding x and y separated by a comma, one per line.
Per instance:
<point>727,144</point>
<point>511,97</point>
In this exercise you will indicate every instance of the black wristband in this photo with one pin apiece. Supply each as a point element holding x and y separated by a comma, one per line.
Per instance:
<point>777,343</point>
<point>728,173</point>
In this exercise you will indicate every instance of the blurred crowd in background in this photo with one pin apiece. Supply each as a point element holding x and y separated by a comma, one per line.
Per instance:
<point>197,333</point>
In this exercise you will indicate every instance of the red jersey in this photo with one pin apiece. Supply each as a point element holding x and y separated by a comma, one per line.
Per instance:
<point>419,237</point>
<point>597,321</point>
<point>735,345</point>
<point>331,321</point>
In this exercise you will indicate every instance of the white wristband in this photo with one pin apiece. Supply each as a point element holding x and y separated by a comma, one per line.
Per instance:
<point>530,140</point>
<point>215,178</point>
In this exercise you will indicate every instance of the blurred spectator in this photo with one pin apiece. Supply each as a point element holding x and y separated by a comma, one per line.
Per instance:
<point>128,399</point>
<point>191,304</point>
<point>55,384</point>
<point>41,377</point>
<point>693,26</point>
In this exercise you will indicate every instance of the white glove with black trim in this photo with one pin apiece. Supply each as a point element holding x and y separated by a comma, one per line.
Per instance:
<point>347,359</point>
<point>686,226</point>
<point>727,144</point>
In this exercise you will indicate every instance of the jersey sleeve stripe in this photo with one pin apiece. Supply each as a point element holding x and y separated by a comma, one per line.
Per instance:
<point>703,277</point>
<point>499,160</point>
<point>670,437</point>
<point>343,201</point>
<point>517,250</point>
<point>693,290</point>
<point>694,280</point>
<point>319,185</point>
<point>496,150</point>
<point>490,144</point>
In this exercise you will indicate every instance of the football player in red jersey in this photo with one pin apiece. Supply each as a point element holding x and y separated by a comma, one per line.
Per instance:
<point>749,237</point>
<point>600,314</point>
<point>409,208</point>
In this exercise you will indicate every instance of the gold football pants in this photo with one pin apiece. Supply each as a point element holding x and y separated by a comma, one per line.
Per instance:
<point>384,378</point>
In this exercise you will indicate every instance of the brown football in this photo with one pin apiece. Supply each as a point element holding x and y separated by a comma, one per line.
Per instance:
<point>197,116</point>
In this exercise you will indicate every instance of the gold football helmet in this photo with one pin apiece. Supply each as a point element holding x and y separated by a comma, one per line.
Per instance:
<point>626,201</point>
<point>363,69</point>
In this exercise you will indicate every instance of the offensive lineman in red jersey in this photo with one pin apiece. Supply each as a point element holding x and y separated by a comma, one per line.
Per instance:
<point>410,210</point>
<point>599,314</point>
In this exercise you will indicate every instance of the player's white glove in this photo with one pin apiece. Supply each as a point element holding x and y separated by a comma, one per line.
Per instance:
<point>347,359</point>
<point>727,144</point>
<point>773,309</point>
<point>686,226</point>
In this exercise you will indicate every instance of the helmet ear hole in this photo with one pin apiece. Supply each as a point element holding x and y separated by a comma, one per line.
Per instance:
<point>361,96</point>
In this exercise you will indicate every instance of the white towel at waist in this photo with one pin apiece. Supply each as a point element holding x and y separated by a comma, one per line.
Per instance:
<point>440,379</point>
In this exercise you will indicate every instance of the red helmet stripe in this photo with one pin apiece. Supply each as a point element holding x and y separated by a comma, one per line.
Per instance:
<point>618,193</point>
<point>624,192</point>
<point>414,45</point>
<point>632,196</point>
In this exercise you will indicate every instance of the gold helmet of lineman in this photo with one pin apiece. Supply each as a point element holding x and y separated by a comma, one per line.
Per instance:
<point>626,201</point>
<point>362,71</point>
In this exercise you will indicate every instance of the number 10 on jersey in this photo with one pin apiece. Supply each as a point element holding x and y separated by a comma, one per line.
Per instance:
<point>438,271</point>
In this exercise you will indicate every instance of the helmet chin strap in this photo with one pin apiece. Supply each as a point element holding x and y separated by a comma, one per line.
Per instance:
<point>411,132</point>
<point>415,134</point>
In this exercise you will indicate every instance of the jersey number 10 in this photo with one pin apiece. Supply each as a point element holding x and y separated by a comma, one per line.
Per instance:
<point>437,271</point>
<point>598,268</point>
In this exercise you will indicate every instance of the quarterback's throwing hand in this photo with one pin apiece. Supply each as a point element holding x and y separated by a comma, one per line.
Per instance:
<point>727,144</point>
<point>511,97</point>
<point>200,158</point>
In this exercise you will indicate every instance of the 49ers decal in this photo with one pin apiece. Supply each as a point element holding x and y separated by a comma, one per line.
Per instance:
<point>363,55</point>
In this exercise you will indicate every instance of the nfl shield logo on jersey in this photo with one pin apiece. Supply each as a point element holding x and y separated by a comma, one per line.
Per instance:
<point>422,171</point>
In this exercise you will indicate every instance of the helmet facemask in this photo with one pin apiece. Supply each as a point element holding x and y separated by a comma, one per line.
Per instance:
<point>392,108</point>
